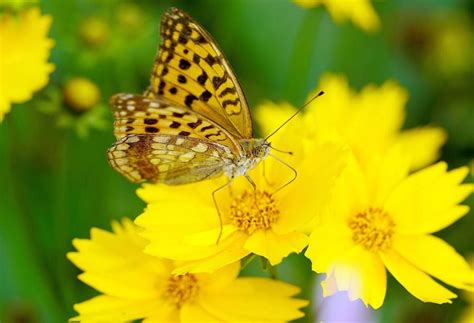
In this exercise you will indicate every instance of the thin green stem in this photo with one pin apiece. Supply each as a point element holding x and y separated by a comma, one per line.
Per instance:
<point>247,260</point>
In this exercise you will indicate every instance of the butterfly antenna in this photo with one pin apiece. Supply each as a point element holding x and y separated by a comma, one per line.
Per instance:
<point>295,114</point>
<point>295,173</point>
<point>282,151</point>
<point>221,225</point>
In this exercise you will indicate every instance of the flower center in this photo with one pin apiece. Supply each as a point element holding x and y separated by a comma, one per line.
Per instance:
<point>253,211</point>
<point>372,229</point>
<point>182,289</point>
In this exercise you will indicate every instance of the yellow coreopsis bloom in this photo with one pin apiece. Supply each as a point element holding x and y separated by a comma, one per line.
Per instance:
<point>369,122</point>
<point>361,12</point>
<point>182,223</point>
<point>81,94</point>
<point>468,313</point>
<point>24,53</point>
<point>384,219</point>
<point>137,286</point>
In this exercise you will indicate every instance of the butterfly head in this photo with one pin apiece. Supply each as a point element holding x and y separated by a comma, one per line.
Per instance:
<point>261,148</point>
<point>256,148</point>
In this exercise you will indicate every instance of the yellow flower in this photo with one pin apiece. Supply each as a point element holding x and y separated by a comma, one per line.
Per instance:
<point>468,313</point>
<point>80,94</point>
<point>385,219</point>
<point>94,31</point>
<point>182,223</point>
<point>23,56</point>
<point>136,286</point>
<point>360,12</point>
<point>369,122</point>
<point>18,4</point>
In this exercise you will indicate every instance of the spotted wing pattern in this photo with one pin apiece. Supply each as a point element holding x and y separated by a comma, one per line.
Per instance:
<point>169,159</point>
<point>192,71</point>
<point>135,114</point>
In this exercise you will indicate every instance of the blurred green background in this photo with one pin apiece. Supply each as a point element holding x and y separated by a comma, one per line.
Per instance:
<point>55,180</point>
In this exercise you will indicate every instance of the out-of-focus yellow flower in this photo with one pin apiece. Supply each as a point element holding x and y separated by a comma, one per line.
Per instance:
<point>385,218</point>
<point>80,94</point>
<point>94,31</point>
<point>137,286</point>
<point>369,122</point>
<point>24,53</point>
<point>18,4</point>
<point>451,45</point>
<point>130,16</point>
<point>183,224</point>
<point>467,315</point>
<point>361,12</point>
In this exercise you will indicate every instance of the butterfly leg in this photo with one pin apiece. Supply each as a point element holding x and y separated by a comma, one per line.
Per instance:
<point>295,173</point>
<point>264,174</point>
<point>217,208</point>
<point>254,186</point>
<point>249,179</point>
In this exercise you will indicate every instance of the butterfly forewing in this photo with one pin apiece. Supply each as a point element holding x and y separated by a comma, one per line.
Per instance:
<point>168,159</point>
<point>192,71</point>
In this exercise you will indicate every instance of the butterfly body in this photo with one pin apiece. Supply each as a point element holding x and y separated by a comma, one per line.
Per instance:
<point>193,122</point>
<point>254,151</point>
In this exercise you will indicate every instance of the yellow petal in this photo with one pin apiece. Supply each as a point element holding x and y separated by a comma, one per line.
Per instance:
<point>124,282</point>
<point>168,315</point>
<point>219,279</point>
<point>307,3</point>
<point>209,237</point>
<point>270,115</point>
<point>386,173</point>
<point>467,314</point>
<point>116,265</point>
<point>226,252</point>
<point>422,145</point>
<point>274,246</point>
<point>426,201</point>
<point>350,195</point>
<point>311,192</point>
<point>195,313</point>
<point>360,12</point>
<point>199,191</point>
<point>362,274</point>
<point>329,285</point>
<point>328,116</point>
<point>187,217</point>
<point>111,309</point>
<point>168,223</point>
<point>374,118</point>
<point>415,281</point>
<point>254,300</point>
<point>437,258</point>
<point>24,61</point>
<point>326,244</point>
<point>263,286</point>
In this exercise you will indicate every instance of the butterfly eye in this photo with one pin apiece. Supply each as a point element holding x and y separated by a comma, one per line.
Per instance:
<point>258,151</point>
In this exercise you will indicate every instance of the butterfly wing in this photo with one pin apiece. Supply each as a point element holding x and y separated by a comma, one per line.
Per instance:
<point>191,70</point>
<point>135,114</point>
<point>171,159</point>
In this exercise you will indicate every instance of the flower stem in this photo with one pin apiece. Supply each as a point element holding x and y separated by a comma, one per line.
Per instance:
<point>247,260</point>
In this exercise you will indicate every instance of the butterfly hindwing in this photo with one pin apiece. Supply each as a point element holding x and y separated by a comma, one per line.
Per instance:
<point>192,71</point>
<point>167,159</point>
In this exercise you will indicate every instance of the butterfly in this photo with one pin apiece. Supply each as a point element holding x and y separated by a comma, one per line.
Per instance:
<point>193,122</point>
